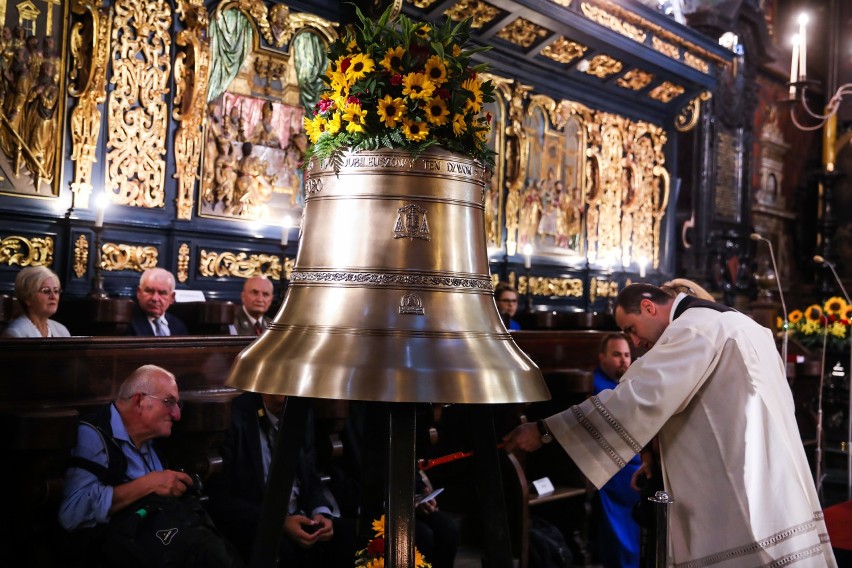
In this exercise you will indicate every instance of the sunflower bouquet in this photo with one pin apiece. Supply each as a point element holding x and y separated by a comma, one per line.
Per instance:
<point>374,555</point>
<point>832,319</point>
<point>401,85</point>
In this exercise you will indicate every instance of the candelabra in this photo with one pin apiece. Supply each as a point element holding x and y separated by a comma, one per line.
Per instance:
<point>799,90</point>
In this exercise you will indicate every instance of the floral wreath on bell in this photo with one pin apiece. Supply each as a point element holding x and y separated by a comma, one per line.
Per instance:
<point>374,555</point>
<point>833,319</point>
<point>402,85</point>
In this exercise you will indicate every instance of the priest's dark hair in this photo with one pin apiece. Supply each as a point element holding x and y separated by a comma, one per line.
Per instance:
<point>630,298</point>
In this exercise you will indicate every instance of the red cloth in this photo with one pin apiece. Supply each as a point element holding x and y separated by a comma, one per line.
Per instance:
<point>838,519</point>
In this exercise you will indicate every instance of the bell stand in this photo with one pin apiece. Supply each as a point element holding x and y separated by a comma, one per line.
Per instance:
<point>399,525</point>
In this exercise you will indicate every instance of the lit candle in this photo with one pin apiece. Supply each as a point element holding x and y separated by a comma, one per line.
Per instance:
<point>100,209</point>
<point>285,230</point>
<point>794,66</point>
<point>803,46</point>
<point>527,256</point>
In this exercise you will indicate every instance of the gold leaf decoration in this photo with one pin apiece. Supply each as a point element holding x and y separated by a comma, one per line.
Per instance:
<point>564,50</point>
<point>480,12</point>
<point>635,80</point>
<point>665,48</point>
<point>666,91</point>
<point>603,66</point>
<point>522,32</point>
<point>183,263</point>
<point>696,62</point>
<point>128,257</point>
<point>81,256</point>
<point>613,22</point>
<point>242,265</point>
<point>558,287</point>
<point>21,251</point>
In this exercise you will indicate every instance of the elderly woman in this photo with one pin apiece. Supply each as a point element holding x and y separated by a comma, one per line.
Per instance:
<point>37,289</point>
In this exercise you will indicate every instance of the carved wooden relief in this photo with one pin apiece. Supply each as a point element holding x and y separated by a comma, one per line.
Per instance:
<point>81,256</point>
<point>137,107</point>
<point>241,265</point>
<point>120,256</point>
<point>480,12</point>
<point>90,41</point>
<point>494,199</point>
<point>32,98</point>
<point>26,251</point>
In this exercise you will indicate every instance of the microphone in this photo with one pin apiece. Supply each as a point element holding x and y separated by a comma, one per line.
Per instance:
<point>758,237</point>
<point>820,260</point>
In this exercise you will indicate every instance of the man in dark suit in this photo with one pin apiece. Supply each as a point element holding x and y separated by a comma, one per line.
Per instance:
<point>311,536</point>
<point>156,292</point>
<point>256,298</point>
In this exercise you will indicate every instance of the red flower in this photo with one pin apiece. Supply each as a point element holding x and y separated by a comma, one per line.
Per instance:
<point>353,100</point>
<point>396,80</point>
<point>488,117</point>
<point>376,547</point>
<point>344,65</point>
<point>443,93</point>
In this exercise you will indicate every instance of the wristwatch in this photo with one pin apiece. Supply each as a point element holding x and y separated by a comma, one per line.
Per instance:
<point>546,436</point>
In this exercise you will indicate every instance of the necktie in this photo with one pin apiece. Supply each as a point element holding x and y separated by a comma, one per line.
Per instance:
<point>160,330</point>
<point>257,329</point>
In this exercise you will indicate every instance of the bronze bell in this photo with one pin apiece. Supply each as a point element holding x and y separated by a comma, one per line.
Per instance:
<point>391,298</point>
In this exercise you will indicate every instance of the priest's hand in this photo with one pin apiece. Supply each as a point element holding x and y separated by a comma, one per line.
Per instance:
<point>646,471</point>
<point>525,437</point>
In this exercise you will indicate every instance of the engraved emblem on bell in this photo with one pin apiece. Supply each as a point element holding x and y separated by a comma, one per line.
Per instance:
<point>411,304</point>
<point>411,223</point>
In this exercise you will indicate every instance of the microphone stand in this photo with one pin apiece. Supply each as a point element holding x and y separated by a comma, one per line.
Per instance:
<point>830,266</point>
<point>784,340</point>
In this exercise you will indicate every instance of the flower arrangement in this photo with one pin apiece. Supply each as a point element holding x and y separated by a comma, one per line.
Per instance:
<point>374,555</point>
<point>405,85</point>
<point>834,319</point>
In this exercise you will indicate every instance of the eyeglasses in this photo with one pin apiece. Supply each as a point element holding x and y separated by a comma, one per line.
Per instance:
<point>48,291</point>
<point>168,401</point>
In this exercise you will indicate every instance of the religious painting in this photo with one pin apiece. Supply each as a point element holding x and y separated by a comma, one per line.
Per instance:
<point>254,140</point>
<point>253,150</point>
<point>551,201</point>
<point>32,97</point>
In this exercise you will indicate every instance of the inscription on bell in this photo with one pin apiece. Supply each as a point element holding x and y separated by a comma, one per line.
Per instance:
<point>378,162</point>
<point>411,304</point>
<point>411,223</point>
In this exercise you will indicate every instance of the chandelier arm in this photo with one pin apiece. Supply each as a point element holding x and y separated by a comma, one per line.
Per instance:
<point>802,126</point>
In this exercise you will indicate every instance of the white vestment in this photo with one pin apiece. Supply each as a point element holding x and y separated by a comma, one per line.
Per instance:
<point>713,390</point>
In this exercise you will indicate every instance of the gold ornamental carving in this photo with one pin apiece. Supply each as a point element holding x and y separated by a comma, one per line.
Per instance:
<point>602,66</point>
<point>696,62</point>
<point>517,156</point>
<point>192,65</point>
<point>665,48</point>
<point>564,50</point>
<point>422,4</point>
<point>241,265</point>
<point>117,256</point>
<point>90,45</point>
<point>635,80</point>
<point>558,287</point>
<point>689,115</point>
<point>183,263</point>
<point>138,110</point>
<point>602,289</point>
<point>612,22</point>
<point>522,32</point>
<point>666,91</point>
<point>480,12</point>
<point>81,256</point>
<point>21,251</point>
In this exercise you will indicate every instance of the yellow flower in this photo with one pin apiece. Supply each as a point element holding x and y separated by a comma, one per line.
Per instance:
<point>419,561</point>
<point>474,102</point>
<point>779,323</point>
<point>436,112</point>
<point>379,526</point>
<point>847,313</point>
<point>332,125</point>
<point>314,128</point>
<point>354,115</point>
<point>456,50</point>
<point>809,328</point>
<point>391,111</point>
<point>414,131</point>
<point>352,45</point>
<point>795,316</point>
<point>835,306</point>
<point>436,70</point>
<point>423,31</point>
<point>813,313</point>
<point>360,66</point>
<point>417,86</point>
<point>481,134</point>
<point>376,563</point>
<point>393,59</point>
<point>459,125</point>
<point>838,330</point>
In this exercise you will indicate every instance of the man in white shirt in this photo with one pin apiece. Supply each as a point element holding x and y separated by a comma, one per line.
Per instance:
<point>712,388</point>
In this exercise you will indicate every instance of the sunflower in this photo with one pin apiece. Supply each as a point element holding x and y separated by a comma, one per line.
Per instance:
<point>436,70</point>
<point>332,125</point>
<point>456,50</point>
<point>391,111</point>
<point>354,115</point>
<point>813,313</point>
<point>314,127</point>
<point>377,562</point>
<point>474,101</point>
<point>414,131</point>
<point>835,306</point>
<point>393,59</point>
<point>417,86</point>
<point>436,112</point>
<point>360,67</point>
<point>847,313</point>
<point>459,125</point>
<point>423,31</point>
<point>795,316</point>
<point>419,561</point>
<point>379,526</point>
